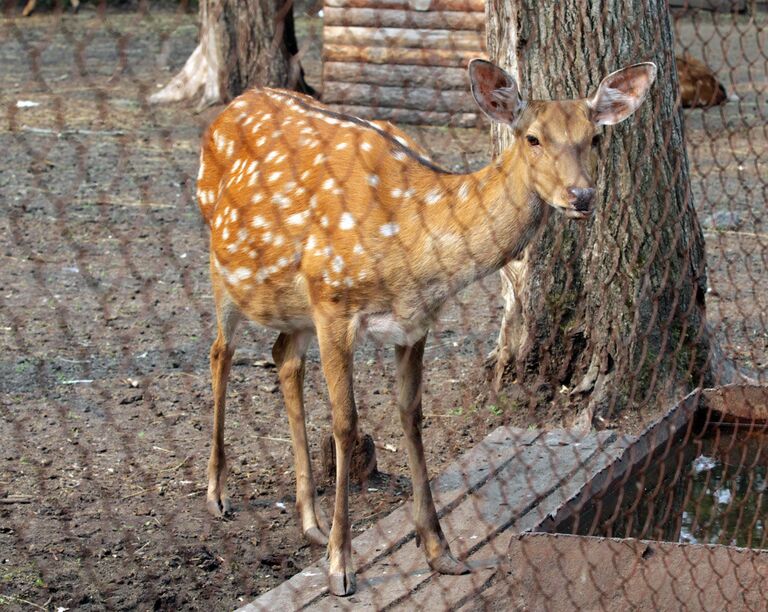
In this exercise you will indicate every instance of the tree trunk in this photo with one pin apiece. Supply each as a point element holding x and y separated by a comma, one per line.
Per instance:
<point>243,43</point>
<point>609,315</point>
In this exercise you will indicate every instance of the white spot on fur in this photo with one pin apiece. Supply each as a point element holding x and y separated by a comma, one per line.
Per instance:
<point>433,197</point>
<point>259,222</point>
<point>329,184</point>
<point>341,145</point>
<point>274,176</point>
<point>389,229</point>
<point>298,218</point>
<point>257,197</point>
<point>373,180</point>
<point>282,200</point>
<point>366,146</point>
<point>319,159</point>
<point>238,275</point>
<point>337,265</point>
<point>347,221</point>
<point>358,249</point>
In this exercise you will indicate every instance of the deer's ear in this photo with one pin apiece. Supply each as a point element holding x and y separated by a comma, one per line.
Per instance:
<point>621,93</point>
<point>495,91</point>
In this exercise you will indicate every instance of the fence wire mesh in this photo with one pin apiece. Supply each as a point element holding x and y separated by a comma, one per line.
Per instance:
<point>108,315</point>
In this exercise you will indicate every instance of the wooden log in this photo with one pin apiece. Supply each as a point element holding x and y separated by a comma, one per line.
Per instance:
<point>404,38</point>
<point>402,116</point>
<point>389,55</point>
<point>395,18</point>
<point>471,6</point>
<point>419,98</point>
<point>397,75</point>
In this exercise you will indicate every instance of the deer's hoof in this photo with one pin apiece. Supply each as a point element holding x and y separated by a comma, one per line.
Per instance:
<point>315,536</point>
<point>342,584</point>
<point>446,563</point>
<point>219,506</point>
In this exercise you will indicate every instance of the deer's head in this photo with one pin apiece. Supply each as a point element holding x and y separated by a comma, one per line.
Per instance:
<point>557,139</point>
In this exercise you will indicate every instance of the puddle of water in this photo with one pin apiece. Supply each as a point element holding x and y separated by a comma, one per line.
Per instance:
<point>707,490</point>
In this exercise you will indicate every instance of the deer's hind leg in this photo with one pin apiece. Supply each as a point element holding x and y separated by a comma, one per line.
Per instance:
<point>289,353</point>
<point>227,318</point>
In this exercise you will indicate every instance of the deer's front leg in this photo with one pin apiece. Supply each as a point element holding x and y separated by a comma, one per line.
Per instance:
<point>428,531</point>
<point>289,355</point>
<point>336,353</point>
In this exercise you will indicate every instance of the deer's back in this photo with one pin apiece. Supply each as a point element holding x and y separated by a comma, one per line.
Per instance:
<point>308,206</point>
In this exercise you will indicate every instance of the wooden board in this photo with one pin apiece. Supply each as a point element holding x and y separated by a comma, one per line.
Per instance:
<point>479,498</point>
<point>397,75</point>
<point>392,18</point>
<point>404,38</point>
<point>477,6</point>
<point>416,98</point>
<point>389,55</point>
<point>400,116</point>
<point>394,530</point>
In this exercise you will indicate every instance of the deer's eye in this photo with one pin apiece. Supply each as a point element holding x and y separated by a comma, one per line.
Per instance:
<point>532,140</point>
<point>596,140</point>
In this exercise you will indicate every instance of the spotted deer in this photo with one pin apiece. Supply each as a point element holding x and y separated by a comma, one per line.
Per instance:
<point>327,225</point>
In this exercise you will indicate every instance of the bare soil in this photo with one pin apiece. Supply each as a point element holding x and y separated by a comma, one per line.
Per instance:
<point>106,321</point>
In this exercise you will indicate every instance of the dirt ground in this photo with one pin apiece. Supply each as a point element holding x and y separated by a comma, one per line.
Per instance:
<point>106,322</point>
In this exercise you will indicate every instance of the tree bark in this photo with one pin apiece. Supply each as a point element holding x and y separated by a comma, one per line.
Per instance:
<point>243,43</point>
<point>609,315</point>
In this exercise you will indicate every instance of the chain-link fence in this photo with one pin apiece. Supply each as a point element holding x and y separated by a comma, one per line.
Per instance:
<point>108,314</point>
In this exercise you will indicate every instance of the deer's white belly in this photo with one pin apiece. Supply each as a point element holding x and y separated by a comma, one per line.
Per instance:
<point>389,329</point>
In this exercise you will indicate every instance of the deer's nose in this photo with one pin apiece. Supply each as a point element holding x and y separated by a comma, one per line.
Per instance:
<point>581,197</point>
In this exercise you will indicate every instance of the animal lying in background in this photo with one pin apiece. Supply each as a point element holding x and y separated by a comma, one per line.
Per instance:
<point>699,87</point>
<point>29,7</point>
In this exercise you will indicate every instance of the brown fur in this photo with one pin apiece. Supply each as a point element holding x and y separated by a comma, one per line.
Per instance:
<point>699,87</point>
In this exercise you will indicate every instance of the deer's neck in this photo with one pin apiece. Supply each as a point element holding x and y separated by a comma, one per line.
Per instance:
<point>492,217</point>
